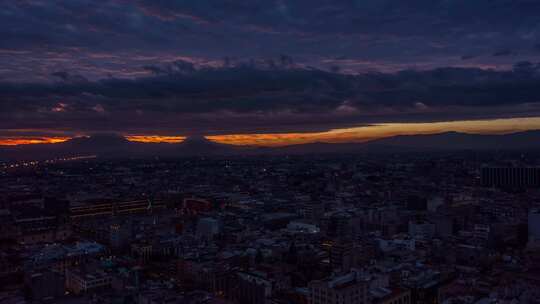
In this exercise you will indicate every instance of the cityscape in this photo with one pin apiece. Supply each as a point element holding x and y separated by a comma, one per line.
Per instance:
<point>269,152</point>
<point>396,228</point>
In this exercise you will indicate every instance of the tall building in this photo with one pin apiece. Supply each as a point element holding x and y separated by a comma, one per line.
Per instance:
<point>337,225</point>
<point>120,235</point>
<point>346,289</point>
<point>425,286</point>
<point>421,229</point>
<point>341,255</point>
<point>207,227</point>
<point>534,228</point>
<point>510,177</point>
<point>314,211</point>
<point>252,289</point>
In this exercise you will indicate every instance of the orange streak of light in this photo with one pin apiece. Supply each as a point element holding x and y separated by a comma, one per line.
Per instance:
<point>155,139</point>
<point>32,140</point>
<point>353,134</point>
<point>382,130</point>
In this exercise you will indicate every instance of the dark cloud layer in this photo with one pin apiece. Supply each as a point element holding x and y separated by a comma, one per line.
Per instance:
<point>263,65</point>
<point>116,37</point>
<point>180,98</point>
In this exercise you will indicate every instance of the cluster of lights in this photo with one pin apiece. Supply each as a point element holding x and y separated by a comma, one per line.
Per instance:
<point>33,163</point>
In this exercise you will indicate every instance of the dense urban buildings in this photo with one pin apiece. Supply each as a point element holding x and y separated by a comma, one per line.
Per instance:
<point>314,229</point>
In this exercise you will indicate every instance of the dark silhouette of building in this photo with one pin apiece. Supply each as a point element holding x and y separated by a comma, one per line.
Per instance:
<point>510,177</point>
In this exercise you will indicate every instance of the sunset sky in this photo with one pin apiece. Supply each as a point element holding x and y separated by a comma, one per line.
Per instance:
<point>266,72</point>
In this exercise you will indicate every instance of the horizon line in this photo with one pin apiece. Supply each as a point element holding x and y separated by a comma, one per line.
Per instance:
<point>499,126</point>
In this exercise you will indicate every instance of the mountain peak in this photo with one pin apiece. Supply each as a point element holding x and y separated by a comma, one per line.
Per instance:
<point>201,145</point>
<point>197,139</point>
<point>99,139</point>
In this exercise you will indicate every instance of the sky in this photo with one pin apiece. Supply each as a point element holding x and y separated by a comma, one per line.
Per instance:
<point>266,72</point>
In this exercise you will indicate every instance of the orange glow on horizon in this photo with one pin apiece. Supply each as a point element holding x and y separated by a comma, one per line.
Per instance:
<point>343,135</point>
<point>32,140</point>
<point>376,131</point>
<point>156,139</point>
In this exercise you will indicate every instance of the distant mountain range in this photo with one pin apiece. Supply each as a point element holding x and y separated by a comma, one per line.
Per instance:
<point>110,145</point>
